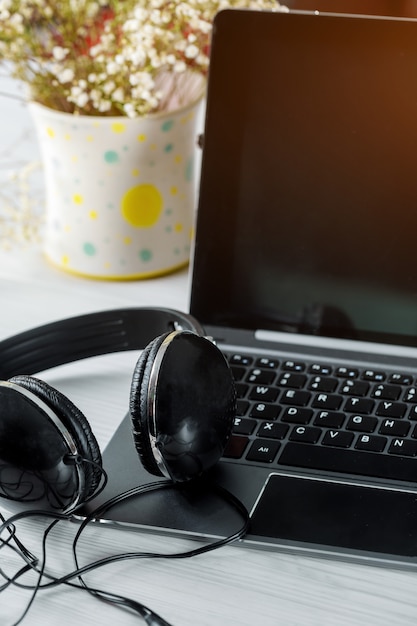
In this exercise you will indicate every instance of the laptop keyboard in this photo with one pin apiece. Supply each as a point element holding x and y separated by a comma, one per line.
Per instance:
<point>322,417</point>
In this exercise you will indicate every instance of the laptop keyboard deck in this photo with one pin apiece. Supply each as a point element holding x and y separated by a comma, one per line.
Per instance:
<point>318,416</point>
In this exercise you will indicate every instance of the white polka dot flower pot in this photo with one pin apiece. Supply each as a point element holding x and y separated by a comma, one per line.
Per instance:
<point>120,192</point>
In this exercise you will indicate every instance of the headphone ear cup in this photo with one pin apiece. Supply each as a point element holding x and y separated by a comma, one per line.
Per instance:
<point>182,405</point>
<point>76,424</point>
<point>139,405</point>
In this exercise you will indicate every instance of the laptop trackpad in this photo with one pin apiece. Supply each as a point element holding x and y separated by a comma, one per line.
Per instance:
<point>352,517</point>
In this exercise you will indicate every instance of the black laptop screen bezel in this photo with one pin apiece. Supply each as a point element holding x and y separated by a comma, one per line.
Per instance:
<point>262,66</point>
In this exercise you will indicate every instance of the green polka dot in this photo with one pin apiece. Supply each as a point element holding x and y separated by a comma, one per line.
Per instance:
<point>89,249</point>
<point>145,255</point>
<point>169,147</point>
<point>166,126</point>
<point>111,156</point>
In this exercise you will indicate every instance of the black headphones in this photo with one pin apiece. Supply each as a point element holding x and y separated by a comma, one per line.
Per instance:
<point>182,404</point>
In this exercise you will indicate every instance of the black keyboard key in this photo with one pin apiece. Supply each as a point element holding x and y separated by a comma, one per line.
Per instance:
<point>306,434</point>
<point>395,428</point>
<point>264,393</point>
<point>264,411</point>
<point>267,363</point>
<point>329,419</point>
<point>390,467</point>
<point>263,450</point>
<point>346,372</point>
<point>391,409</point>
<point>241,390</point>
<point>273,430</point>
<point>403,447</point>
<point>242,407</point>
<point>323,383</point>
<point>387,392</point>
<point>240,359</point>
<point>237,372</point>
<point>374,375</point>
<point>362,423</point>
<point>354,388</point>
<point>235,447</point>
<point>322,370</point>
<point>338,438</point>
<point>293,366</point>
<point>413,413</point>
<point>327,401</point>
<point>372,443</point>
<point>400,379</point>
<point>297,415</point>
<point>295,381</point>
<point>295,396</point>
<point>359,405</point>
<point>244,426</point>
<point>410,395</point>
<point>260,376</point>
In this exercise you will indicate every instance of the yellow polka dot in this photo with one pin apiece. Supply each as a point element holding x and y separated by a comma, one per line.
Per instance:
<point>135,172</point>
<point>141,206</point>
<point>153,146</point>
<point>142,138</point>
<point>178,158</point>
<point>127,241</point>
<point>187,118</point>
<point>118,127</point>
<point>65,260</point>
<point>90,138</point>
<point>178,227</point>
<point>67,228</point>
<point>67,137</point>
<point>74,159</point>
<point>50,132</point>
<point>173,191</point>
<point>77,198</point>
<point>93,215</point>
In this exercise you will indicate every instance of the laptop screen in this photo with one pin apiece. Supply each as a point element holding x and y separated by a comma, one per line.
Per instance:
<point>307,219</point>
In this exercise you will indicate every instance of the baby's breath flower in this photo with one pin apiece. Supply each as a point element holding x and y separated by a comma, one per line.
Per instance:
<point>107,57</point>
<point>59,53</point>
<point>66,75</point>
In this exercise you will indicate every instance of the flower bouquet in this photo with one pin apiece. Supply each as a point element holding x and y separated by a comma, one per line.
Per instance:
<point>111,57</point>
<point>115,88</point>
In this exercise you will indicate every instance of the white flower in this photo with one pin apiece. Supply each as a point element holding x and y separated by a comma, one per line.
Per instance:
<point>118,95</point>
<point>78,97</point>
<point>129,109</point>
<point>59,53</point>
<point>180,66</point>
<point>191,52</point>
<point>104,106</point>
<point>112,68</point>
<point>109,87</point>
<point>66,75</point>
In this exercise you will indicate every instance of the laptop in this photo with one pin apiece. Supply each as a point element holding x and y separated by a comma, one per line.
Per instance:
<point>304,272</point>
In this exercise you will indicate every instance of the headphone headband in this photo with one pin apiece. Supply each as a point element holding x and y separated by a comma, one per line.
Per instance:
<point>86,336</point>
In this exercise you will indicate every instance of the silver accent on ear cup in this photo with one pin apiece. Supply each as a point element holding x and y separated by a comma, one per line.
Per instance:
<point>151,401</point>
